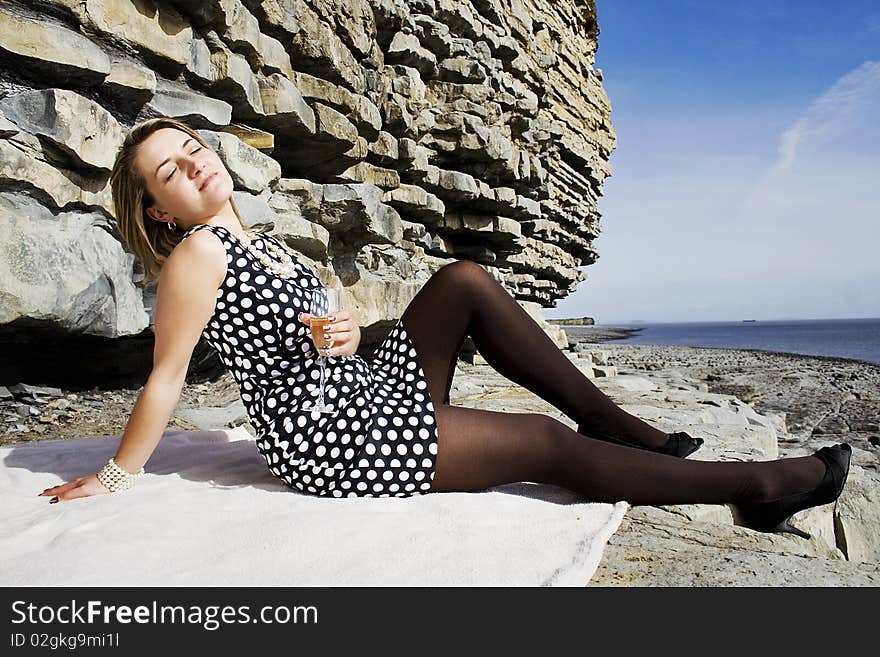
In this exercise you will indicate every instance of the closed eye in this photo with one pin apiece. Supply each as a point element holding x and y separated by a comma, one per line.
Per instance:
<point>173,170</point>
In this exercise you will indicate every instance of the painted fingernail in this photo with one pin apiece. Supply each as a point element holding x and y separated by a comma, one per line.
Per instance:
<point>332,318</point>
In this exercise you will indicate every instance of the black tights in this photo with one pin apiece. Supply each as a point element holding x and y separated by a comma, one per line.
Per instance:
<point>479,449</point>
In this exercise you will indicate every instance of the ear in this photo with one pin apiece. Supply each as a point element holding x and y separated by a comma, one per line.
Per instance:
<point>156,214</point>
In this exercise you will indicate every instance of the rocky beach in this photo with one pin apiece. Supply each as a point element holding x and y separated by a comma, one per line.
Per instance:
<point>745,404</point>
<point>804,402</point>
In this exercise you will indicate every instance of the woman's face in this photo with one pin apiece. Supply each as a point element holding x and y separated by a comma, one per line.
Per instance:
<point>188,182</point>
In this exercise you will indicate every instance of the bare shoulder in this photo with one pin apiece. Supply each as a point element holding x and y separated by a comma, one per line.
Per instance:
<point>185,301</point>
<point>201,256</point>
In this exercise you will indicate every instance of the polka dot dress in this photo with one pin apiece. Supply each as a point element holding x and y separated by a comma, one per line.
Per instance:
<point>381,438</point>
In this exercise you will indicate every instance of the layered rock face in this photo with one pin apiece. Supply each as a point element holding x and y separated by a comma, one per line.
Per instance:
<point>380,140</point>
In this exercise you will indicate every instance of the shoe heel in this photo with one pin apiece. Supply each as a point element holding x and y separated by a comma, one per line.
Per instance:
<point>784,526</point>
<point>762,516</point>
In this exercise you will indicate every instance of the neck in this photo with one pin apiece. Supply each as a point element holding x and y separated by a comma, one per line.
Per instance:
<point>233,227</point>
<point>228,219</point>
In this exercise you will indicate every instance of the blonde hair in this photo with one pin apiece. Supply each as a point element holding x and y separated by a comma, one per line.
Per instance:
<point>150,241</point>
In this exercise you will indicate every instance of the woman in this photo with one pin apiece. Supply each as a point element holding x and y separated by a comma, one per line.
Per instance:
<point>394,431</point>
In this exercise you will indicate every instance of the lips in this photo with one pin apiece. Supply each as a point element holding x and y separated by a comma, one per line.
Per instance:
<point>207,180</point>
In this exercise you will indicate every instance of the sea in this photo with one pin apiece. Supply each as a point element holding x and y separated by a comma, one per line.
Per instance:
<point>857,339</point>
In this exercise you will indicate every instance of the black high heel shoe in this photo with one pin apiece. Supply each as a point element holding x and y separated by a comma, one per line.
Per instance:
<point>680,443</point>
<point>773,515</point>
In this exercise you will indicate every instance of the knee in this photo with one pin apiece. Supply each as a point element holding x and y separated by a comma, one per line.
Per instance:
<point>468,277</point>
<point>557,443</point>
<point>464,272</point>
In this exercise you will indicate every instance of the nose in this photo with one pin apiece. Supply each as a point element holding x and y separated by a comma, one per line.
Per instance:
<point>195,166</point>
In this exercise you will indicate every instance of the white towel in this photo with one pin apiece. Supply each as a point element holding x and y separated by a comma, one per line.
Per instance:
<point>208,512</point>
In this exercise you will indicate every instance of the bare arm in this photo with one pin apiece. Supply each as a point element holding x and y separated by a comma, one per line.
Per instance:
<point>149,418</point>
<point>185,301</point>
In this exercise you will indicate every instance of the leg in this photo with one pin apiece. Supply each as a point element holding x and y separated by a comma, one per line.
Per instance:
<point>480,449</point>
<point>463,299</point>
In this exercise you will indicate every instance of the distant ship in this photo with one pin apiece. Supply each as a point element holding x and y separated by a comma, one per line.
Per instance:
<point>750,320</point>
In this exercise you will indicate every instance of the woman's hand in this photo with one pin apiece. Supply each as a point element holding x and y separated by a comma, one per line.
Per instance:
<point>82,487</point>
<point>344,332</point>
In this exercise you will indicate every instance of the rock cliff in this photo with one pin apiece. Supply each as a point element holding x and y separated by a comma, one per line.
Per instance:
<point>380,140</point>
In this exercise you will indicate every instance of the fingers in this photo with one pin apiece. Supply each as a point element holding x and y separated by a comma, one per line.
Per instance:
<point>61,488</point>
<point>80,487</point>
<point>335,327</point>
<point>341,329</point>
<point>339,336</point>
<point>60,492</point>
<point>341,341</point>
<point>49,491</point>
<point>53,494</point>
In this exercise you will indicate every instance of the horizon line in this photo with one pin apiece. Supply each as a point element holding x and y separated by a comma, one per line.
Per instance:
<point>712,321</point>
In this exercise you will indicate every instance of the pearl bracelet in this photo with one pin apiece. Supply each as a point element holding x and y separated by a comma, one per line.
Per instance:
<point>115,478</point>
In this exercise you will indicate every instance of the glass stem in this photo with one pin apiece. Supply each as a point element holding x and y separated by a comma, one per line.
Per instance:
<point>321,395</point>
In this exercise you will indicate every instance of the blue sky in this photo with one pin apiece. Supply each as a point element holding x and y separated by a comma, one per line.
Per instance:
<point>746,180</point>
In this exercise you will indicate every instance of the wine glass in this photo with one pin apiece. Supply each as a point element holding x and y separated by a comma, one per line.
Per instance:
<point>325,301</point>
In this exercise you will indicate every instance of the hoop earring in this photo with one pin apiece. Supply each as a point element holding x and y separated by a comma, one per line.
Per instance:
<point>172,226</point>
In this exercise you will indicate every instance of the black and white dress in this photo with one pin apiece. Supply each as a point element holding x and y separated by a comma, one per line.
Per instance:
<point>381,438</point>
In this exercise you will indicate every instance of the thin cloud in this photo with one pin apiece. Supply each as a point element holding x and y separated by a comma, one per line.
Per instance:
<point>829,113</point>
